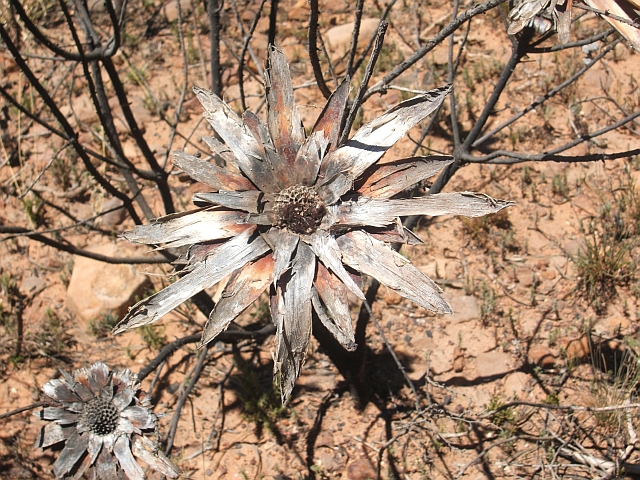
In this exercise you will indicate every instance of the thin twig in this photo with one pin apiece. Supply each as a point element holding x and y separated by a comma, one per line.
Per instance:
<point>382,29</point>
<point>416,398</point>
<point>313,49</point>
<point>183,398</point>
<point>22,409</point>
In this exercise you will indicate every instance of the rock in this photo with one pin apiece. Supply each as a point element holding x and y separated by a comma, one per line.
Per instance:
<point>115,213</point>
<point>465,308</point>
<point>541,356</point>
<point>32,285</point>
<point>361,469</point>
<point>526,277</point>
<point>329,463</point>
<point>300,11</point>
<point>493,363</point>
<point>458,360</point>
<point>577,351</point>
<point>549,274</point>
<point>517,385</point>
<point>98,288</point>
<point>611,326</point>
<point>338,38</point>
<point>171,9</point>
<point>573,248</point>
<point>391,297</point>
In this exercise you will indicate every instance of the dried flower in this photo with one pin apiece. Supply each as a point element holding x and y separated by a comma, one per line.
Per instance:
<point>525,12</point>
<point>102,421</point>
<point>304,217</point>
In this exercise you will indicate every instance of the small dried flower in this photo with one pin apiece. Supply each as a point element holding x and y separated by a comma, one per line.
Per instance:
<point>306,217</point>
<point>103,423</point>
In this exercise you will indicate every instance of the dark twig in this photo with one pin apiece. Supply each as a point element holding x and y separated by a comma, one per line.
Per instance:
<point>231,335</point>
<point>313,49</point>
<point>365,81</point>
<point>22,409</point>
<point>475,143</point>
<point>366,51</point>
<point>213,11</point>
<point>576,44</point>
<point>245,46</point>
<point>416,398</point>
<point>273,23</point>
<point>183,398</point>
<point>603,13</point>
<point>167,351</point>
<point>354,37</point>
<point>431,44</point>
<point>79,251</point>
<point>69,132</point>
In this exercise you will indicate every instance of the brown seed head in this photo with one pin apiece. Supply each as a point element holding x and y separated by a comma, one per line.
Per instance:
<point>299,210</point>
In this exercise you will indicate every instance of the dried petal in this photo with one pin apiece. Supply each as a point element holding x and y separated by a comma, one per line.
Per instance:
<point>140,417</point>
<point>631,33</point>
<point>291,313</point>
<point>216,177</point>
<point>283,118</point>
<point>93,449</point>
<point>122,451</point>
<point>244,287</point>
<point>246,150</point>
<point>327,250</point>
<point>330,120</point>
<point>60,391</point>
<point>74,448</point>
<point>374,258</point>
<point>185,228</point>
<point>341,167</point>
<point>249,201</point>
<point>105,465</point>
<point>522,13</point>
<point>389,179</point>
<point>146,450</point>
<point>51,434</point>
<point>60,414</point>
<point>333,293</point>
<point>283,245</point>
<point>377,212</point>
<point>98,377</point>
<point>227,258</point>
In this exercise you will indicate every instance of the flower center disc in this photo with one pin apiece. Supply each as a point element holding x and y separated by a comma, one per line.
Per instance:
<point>299,210</point>
<point>100,416</point>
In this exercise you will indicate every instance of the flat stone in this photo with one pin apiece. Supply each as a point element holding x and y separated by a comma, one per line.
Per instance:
<point>32,285</point>
<point>98,288</point>
<point>541,356</point>
<point>573,248</point>
<point>171,9</point>
<point>611,326</point>
<point>361,469</point>
<point>517,385</point>
<point>116,213</point>
<point>458,360</point>
<point>465,308</point>
<point>338,38</point>
<point>493,363</point>
<point>300,11</point>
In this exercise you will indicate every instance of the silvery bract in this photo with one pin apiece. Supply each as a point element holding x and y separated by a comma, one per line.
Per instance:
<point>103,423</point>
<point>300,216</point>
<point>621,14</point>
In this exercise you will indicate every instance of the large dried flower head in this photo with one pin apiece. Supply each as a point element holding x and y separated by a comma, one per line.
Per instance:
<point>300,217</point>
<point>103,423</point>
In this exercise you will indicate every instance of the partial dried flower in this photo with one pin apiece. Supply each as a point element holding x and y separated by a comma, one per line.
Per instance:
<point>301,217</point>
<point>104,421</point>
